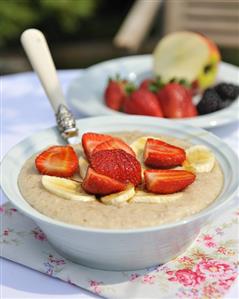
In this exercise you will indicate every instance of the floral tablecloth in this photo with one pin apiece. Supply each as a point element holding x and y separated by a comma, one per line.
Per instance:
<point>206,270</point>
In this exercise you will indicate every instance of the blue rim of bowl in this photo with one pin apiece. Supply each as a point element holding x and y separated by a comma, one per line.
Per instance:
<point>43,218</point>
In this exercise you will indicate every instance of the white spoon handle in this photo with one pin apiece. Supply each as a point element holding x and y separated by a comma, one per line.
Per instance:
<point>36,48</point>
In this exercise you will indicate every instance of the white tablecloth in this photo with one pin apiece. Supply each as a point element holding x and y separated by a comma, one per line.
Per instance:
<point>25,110</point>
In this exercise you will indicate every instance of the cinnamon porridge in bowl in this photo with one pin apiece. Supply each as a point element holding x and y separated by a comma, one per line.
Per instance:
<point>194,198</point>
<point>107,229</point>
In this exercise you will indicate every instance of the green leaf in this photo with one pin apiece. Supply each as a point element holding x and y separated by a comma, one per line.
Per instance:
<point>130,87</point>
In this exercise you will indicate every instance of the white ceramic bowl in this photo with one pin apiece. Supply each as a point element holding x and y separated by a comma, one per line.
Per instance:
<point>120,249</point>
<point>85,93</point>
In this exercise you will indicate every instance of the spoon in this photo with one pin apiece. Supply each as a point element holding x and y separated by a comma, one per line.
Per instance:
<point>38,53</point>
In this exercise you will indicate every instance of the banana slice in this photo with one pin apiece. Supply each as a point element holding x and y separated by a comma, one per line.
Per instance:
<point>186,166</point>
<point>65,188</point>
<point>83,166</point>
<point>120,197</point>
<point>145,197</point>
<point>200,158</point>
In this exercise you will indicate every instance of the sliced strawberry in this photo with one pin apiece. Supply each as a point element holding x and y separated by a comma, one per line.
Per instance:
<point>91,140</point>
<point>167,181</point>
<point>96,183</point>
<point>118,165</point>
<point>175,101</point>
<point>143,102</point>
<point>57,160</point>
<point>160,154</point>
<point>114,143</point>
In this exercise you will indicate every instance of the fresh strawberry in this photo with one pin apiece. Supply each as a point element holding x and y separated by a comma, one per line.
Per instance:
<point>146,83</point>
<point>114,143</point>
<point>152,85</point>
<point>191,111</point>
<point>118,165</point>
<point>167,181</point>
<point>91,140</point>
<point>115,93</point>
<point>160,154</point>
<point>60,161</point>
<point>175,101</point>
<point>194,87</point>
<point>96,183</point>
<point>143,102</point>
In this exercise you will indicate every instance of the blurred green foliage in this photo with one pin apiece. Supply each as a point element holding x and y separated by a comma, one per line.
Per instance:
<point>71,24</point>
<point>17,15</point>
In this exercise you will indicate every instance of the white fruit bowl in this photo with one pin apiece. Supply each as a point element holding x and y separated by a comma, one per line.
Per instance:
<point>86,93</point>
<point>127,249</point>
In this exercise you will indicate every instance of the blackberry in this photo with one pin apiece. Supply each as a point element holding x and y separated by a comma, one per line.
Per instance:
<point>227,91</point>
<point>210,102</point>
<point>225,104</point>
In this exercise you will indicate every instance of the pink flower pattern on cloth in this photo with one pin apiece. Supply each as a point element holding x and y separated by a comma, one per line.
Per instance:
<point>38,234</point>
<point>206,270</point>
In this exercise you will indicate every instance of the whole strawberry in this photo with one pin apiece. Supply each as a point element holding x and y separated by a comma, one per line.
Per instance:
<point>146,83</point>
<point>115,93</point>
<point>143,102</point>
<point>151,84</point>
<point>176,101</point>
